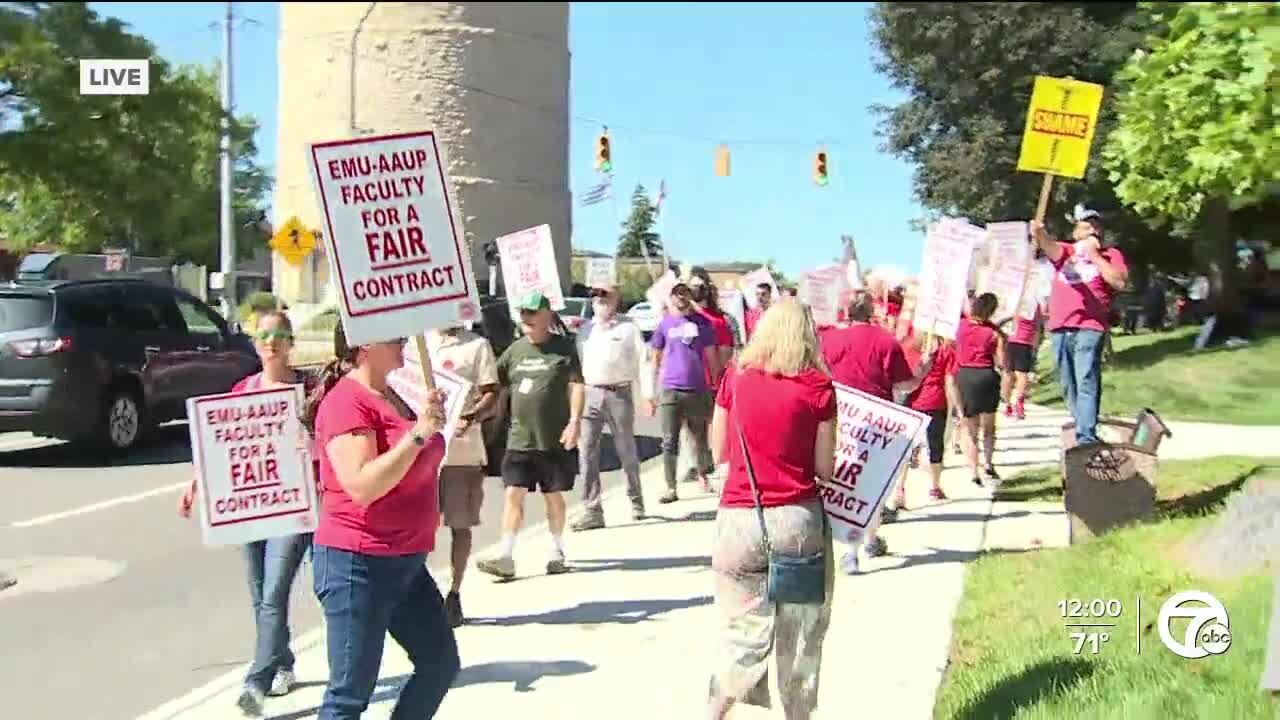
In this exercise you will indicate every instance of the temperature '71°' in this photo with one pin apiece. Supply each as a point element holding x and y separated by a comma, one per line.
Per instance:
<point>1093,640</point>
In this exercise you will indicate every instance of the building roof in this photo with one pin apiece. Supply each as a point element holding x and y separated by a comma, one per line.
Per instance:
<point>731,267</point>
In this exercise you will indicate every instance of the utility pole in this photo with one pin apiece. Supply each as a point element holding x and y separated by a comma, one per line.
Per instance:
<point>228,234</point>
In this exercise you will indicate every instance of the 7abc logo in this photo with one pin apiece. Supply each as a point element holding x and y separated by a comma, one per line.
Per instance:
<point>1208,630</point>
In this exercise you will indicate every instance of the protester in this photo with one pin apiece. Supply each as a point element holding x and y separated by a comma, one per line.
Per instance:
<point>1020,359</point>
<point>544,375</point>
<point>933,399</point>
<point>774,425</point>
<point>612,350</point>
<point>685,356</point>
<point>273,563</point>
<point>1088,274</point>
<point>980,349</point>
<point>866,357</point>
<point>706,298</point>
<point>470,357</point>
<point>764,297</point>
<point>378,471</point>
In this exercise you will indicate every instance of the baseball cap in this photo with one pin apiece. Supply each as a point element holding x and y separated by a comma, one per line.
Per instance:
<point>533,302</point>
<point>1082,213</point>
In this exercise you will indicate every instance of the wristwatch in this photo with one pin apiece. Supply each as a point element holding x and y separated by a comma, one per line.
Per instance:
<point>418,440</point>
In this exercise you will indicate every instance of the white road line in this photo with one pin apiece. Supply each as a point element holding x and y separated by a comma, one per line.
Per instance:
<point>313,637</point>
<point>105,504</point>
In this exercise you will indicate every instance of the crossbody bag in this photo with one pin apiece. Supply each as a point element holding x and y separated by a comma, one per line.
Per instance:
<point>793,579</point>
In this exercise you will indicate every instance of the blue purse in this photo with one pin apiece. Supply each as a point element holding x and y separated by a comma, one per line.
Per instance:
<point>793,579</point>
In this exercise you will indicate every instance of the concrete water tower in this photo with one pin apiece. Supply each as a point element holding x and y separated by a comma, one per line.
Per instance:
<point>491,78</point>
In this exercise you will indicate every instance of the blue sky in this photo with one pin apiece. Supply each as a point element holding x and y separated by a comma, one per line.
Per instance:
<point>672,81</point>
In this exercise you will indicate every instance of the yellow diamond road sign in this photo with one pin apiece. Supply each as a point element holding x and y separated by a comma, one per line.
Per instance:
<point>1060,126</point>
<point>293,241</point>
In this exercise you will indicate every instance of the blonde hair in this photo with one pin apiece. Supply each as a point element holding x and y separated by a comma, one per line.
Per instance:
<point>784,343</point>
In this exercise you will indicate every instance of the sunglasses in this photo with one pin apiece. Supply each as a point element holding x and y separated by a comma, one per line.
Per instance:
<point>269,335</point>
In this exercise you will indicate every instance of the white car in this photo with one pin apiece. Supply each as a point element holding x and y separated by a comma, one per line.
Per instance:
<point>645,316</point>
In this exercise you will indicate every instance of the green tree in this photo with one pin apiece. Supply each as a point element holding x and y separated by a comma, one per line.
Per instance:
<point>90,171</point>
<point>637,232</point>
<point>1196,138</point>
<point>967,70</point>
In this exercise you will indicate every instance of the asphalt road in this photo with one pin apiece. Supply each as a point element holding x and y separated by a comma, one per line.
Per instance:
<point>119,607</point>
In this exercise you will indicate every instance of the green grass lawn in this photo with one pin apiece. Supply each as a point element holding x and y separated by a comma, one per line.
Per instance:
<point>1012,657</point>
<point>1163,371</point>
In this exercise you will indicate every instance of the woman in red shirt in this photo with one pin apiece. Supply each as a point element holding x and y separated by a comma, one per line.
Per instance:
<point>979,351</point>
<point>777,409</point>
<point>931,398</point>
<point>379,512</point>
<point>273,563</point>
<point>1021,357</point>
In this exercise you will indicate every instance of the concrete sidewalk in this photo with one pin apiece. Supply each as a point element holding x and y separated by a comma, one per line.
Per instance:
<point>631,632</point>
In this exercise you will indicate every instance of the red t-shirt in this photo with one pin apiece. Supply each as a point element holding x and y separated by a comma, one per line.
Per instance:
<point>1024,331</point>
<point>1080,298</point>
<point>720,329</point>
<point>749,321</point>
<point>780,417</point>
<point>975,345</point>
<point>932,393</point>
<point>402,522</point>
<point>865,357</point>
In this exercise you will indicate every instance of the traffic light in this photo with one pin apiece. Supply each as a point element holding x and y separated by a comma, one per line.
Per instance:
<point>722,161</point>
<point>604,153</point>
<point>820,168</point>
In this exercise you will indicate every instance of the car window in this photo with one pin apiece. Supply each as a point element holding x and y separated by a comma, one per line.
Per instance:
<point>143,313</point>
<point>19,312</point>
<point>199,320</point>
<point>88,310</point>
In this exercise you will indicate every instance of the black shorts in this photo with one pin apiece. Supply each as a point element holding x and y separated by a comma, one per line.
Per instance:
<point>547,471</point>
<point>937,434</point>
<point>979,391</point>
<point>1020,357</point>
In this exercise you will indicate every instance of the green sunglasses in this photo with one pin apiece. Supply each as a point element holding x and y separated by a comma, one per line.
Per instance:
<point>269,335</point>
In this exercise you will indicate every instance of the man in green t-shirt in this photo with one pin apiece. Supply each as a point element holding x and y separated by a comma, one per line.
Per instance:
<point>543,374</point>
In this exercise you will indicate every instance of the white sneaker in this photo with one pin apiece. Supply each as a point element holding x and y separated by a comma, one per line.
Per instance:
<point>251,701</point>
<point>849,563</point>
<point>283,683</point>
<point>556,564</point>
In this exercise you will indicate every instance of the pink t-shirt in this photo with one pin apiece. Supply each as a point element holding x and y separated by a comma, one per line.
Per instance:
<point>1024,330</point>
<point>1080,298</point>
<point>402,522</point>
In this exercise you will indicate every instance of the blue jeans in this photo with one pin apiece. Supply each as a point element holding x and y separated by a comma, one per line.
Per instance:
<point>273,564</point>
<point>364,598</point>
<point>1079,359</point>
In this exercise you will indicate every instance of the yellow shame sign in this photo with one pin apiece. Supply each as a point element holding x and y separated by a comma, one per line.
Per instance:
<point>1060,126</point>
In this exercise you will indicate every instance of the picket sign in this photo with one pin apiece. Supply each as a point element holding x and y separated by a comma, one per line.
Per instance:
<point>944,270</point>
<point>601,273</point>
<point>254,474</point>
<point>394,241</point>
<point>1011,259</point>
<point>407,382</point>
<point>822,290</point>
<point>874,437</point>
<point>759,276</point>
<point>529,265</point>
<point>659,293</point>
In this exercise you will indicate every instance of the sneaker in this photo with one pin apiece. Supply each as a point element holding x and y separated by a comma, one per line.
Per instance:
<point>849,563</point>
<point>588,521</point>
<point>501,567</point>
<point>977,481</point>
<point>991,474</point>
<point>251,701</point>
<point>1020,411</point>
<point>453,609</point>
<point>937,494</point>
<point>556,565</point>
<point>282,684</point>
<point>889,515</point>
<point>669,497</point>
<point>691,476</point>
<point>877,548</point>
<point>637,510</point>
<point>1008,410</point>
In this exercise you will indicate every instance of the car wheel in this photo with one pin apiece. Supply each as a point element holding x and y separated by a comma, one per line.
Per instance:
<point>122,421</point>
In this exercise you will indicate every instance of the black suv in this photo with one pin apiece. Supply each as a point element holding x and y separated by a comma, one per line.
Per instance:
<point>107,360</point>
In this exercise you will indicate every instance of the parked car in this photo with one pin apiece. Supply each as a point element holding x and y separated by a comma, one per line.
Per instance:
<point>105,361</point>
<point>577,311</point>
<point>645,316</point>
